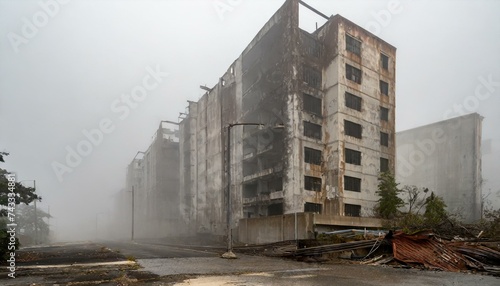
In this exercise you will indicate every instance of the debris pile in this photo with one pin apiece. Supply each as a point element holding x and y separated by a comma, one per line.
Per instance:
<point>427,250</point>
<point>432,252</point>
<point>423,249</point>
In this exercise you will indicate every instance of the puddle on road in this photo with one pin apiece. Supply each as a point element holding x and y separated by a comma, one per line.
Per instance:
<point>217,281</point>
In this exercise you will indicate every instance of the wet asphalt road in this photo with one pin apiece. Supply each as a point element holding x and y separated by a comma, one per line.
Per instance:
<point>209,269</point>
<point>140,250</point>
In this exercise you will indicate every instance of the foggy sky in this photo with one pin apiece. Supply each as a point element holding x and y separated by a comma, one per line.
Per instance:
<point>69,75</point>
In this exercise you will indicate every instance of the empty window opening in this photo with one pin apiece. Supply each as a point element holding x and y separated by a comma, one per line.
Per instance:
<point>384,139</point>
<point>384,87</point>
<point>275,209</point>
<point>312,208</point>
<point>312,104</point>
<point>275,185</point>
<point>352,129</point>
<point>250,190</point>
<point>312,77</point>
<point>352,101</point>
<point>352,184</point>
<point>352,73</point>
<point>312,183</point>
<point>384,61</point>
<point>384,114</point>
<point>310,45</point>
<point>353,45</point>
<point>384,165</point>
<point>352,156</point>
<point>312,130</point>
<point>250,168</point>
<point>352,210</point>
<point>312,156</point>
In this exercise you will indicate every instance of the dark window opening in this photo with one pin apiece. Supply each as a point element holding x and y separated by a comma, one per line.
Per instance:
<point>353,45</point>
<point>312,183</point>
<point>250,191</point>
<point>352,129</point>
<point>311,46</point>
<point>312,156</point>
<point>275,209</point>
<point>384,61</point>
<point>352,210</point>
<point>352,73</point>
<point>352,156</point>
<point>384,139</point>
<point>312,208</point>
<point>312,77</point>
<point>312,130</point>
<point>312,104</point>
<point>275,185</point>
<point>384,87</point>
<point>250,168</point>
<point>352,184</point>
<point>384,114</point>
<point>384,165</point>
<point>353,101</point>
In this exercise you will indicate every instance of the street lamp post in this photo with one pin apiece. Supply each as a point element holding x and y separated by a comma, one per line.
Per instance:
<point>229,253</point>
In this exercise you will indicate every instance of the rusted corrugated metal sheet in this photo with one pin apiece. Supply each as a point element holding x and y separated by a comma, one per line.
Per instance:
<point>478,252</point>
<point>427,250</point>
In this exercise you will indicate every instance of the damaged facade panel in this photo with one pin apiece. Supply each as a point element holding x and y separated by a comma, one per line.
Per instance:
<point>264,96</point>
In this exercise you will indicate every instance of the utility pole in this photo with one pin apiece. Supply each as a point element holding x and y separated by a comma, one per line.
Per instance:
<point>36,215</point>
<point>133,198</point>
<point>229,254</point>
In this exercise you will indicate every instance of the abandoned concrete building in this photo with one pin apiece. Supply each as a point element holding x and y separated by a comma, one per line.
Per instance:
<point>445,157</point>
<point>318,116</point>
<point>153,181</point>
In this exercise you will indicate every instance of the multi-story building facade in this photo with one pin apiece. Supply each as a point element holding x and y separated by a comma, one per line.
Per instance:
<point>445,157</point>
<point>332,90</point>
<point>153,176</point>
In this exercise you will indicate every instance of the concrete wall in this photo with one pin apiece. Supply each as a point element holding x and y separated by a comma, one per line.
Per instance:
<point>296,226</point>
<point>276,228</point>
<point>446,158</point>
